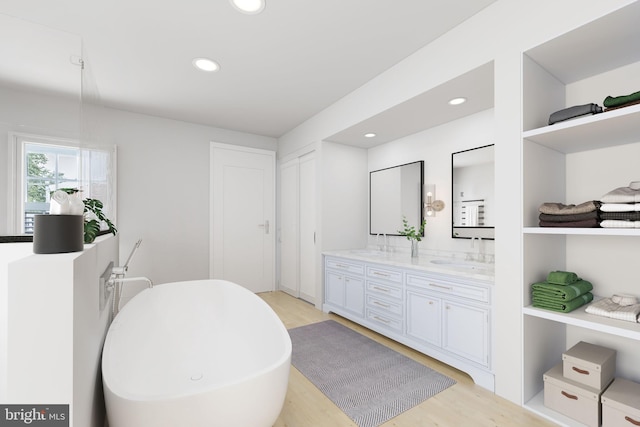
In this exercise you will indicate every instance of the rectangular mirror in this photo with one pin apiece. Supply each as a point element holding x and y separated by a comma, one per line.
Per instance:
<point>393,193</point>
<point>472,198</point>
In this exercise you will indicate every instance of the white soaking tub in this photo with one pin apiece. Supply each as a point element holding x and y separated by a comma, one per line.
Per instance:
<point>195,353</point>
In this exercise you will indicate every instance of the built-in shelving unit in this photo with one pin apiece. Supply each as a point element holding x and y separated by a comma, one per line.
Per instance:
<point>583,231</point>
<point>572,162</point>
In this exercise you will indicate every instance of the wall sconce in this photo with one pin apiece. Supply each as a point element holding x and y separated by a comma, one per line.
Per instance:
<point>431,205</point>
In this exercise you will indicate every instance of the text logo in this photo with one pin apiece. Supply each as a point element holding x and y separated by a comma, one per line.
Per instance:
<point>34,415</point>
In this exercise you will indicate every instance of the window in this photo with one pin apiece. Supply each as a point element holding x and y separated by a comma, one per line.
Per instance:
<point>47,164</point>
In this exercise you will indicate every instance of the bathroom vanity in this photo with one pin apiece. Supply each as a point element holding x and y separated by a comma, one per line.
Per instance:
<point>439,306</point>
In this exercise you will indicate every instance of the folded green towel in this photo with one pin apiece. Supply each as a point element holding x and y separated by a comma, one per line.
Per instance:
<point>562,277</point>
<point>618,101</point>
<point>561,292</point>
<point>563,306</point>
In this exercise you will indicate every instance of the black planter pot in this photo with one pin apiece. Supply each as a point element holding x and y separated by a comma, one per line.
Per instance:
<point>55,234</point>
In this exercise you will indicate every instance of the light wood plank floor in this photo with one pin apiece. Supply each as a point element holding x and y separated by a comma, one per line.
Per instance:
<point>463,404</point>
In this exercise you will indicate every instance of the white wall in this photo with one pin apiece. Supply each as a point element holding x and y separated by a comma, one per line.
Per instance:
<point>163,178</point>
<point>435,146</point>
<point>9,252</point>
<point>55,328</point>
<point>163,192</point>
<point>498,33</point>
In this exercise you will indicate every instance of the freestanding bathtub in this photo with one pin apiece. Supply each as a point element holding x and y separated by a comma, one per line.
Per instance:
<point>195,353</point>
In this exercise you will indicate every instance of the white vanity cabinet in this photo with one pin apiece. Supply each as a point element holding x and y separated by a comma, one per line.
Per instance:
<point>384,303</point>
<point>344,287</point>
<point>446,316</point>
<point>458,308</point>
<point>424,317</point>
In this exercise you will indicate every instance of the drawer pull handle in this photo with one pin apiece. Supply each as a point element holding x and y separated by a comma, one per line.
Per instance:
<point>342,266</point>
<point>440,286</point>
<point>377,273</point>
<point>632,421</point>
<point>569,396</point>
<point>381,304</point>
<point>380,289</point>
<point>580,371</point>
<point>381,319</point>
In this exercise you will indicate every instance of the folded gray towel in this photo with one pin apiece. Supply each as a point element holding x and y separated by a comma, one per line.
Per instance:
<point>575,111</point>
<point>562,209</point>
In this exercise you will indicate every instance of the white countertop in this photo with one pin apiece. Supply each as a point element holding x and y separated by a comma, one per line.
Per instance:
<point>425,262</point>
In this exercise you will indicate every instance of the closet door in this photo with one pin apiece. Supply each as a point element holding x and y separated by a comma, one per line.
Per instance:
<point>289,227</point>
<point>307,231</point>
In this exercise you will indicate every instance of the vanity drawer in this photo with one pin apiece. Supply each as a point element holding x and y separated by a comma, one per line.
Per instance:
<point>385,320</point>
<point>350,267</point>
<point>389,307</point>
<point>384,274</point>
<point>473,292</point>
<point>384,289</point>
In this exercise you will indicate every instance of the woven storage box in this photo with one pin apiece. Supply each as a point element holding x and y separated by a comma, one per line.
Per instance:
<point>589,364</point>
<point>573,399</point>
<point>621,404</point>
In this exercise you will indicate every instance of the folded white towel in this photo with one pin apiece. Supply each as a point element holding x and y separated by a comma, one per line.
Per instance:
<point>619,223</point>
<point>59,203</point>
<point>607,308</point>
<point>630,194</point>
<point>620,207</point>
<point>76,205</point>
<point>624,300</point>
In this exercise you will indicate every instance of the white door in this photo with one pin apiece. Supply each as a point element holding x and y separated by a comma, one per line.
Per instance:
<point>298,255</point>
<point>289,227</point>
<point>242,216</point>
<point>307,196</point>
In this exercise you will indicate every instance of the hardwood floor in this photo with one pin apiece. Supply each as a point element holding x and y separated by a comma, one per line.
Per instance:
<point>463,404</point>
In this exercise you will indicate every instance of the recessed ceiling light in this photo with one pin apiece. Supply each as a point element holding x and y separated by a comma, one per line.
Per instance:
<point>457,101</point>
<point>250,7</point>
<point>205,64</point>
<point>369,135</point>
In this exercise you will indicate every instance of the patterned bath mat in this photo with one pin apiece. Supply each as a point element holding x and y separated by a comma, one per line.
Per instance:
<point>369,382</point>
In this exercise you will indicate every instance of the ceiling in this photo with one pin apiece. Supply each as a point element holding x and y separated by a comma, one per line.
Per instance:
<point>278,68</point>
<point>424,111</point>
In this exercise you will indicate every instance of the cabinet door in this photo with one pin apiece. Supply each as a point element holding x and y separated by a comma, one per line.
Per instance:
<point>466,331</point>
<point>354,295</point>
<point>423,318</point>
<point>335,289</point>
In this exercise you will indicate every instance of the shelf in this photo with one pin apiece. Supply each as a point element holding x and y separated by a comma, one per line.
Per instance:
<point>585,320</point>
<point>608,129</point>
<point>583,231</point>
<point>536,404</point>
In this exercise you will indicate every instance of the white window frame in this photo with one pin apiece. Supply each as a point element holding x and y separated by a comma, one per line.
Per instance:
<point>17,178</point>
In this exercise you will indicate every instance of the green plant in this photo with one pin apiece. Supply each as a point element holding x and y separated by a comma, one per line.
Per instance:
<point>93,217</point>
<point>92,222</point>
<point>410,232</point>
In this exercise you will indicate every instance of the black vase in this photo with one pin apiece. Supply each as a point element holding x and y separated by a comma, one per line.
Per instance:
<point>55,234</point>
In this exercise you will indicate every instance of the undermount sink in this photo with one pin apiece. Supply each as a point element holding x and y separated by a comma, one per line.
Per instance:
<point>470,265</point>
<point>367,252</point>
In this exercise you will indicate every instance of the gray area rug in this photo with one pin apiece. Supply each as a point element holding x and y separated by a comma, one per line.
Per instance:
<point>369,382</point>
